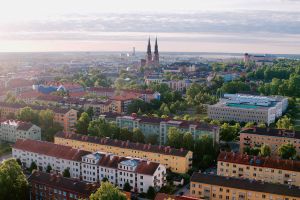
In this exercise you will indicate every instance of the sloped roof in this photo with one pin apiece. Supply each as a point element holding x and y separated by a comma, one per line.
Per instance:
<point>124,144</point>
<point>50,149</point>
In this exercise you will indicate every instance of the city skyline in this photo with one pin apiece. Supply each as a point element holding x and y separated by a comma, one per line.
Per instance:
<point>268,26</point>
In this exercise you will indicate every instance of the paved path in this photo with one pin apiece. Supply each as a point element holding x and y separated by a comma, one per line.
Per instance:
<point>4,157</point>
<point>184,190</point>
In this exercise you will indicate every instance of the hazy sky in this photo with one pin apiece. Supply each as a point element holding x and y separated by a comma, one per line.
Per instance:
<point>262,26</point>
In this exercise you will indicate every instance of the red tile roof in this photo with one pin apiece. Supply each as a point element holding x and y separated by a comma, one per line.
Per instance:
<point>146,167</point>
<point>124,144</point>
<point>50,149</point>
<point>19,82</point>
<point>125,97</point>
<point>29,95</point>
<point>272,132</point>
<point>267,162</point>
<point>77,94</point>
<point>62,183</point>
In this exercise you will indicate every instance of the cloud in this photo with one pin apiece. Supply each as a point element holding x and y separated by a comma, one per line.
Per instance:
<point>277,28</point>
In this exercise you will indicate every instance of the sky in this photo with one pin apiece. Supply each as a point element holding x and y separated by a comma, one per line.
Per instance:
<point>254,26</point>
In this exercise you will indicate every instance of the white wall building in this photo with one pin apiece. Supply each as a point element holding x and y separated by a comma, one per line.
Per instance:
<point>43,153</point>
<point>12,130</point>
<point>91,167</point>
<point>140,174</point>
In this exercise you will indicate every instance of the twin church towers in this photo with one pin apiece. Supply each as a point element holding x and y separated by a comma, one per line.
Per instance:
<point>151,59</point>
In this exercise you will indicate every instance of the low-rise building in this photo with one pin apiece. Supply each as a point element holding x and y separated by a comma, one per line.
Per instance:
<point>268,169</point>
<point>255,137</point>
<point>54,186</point>
<point>67,118</point>
<point>159,127</point>
<point>215,187</point>
<point>177,160</point>
<point>140,174</point>
<point>45,154</point>
<point>11,130</point>
<point>248,108</point>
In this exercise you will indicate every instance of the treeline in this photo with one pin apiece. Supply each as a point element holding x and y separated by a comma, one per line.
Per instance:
<point>288,87</point>
<point>205,150</point>
<point>102,128</point>
<point>42,118</point>
<point>282,69</point>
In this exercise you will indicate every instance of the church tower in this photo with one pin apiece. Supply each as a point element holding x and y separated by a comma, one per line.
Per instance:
<point>156,54</point>
<point>149,54</point>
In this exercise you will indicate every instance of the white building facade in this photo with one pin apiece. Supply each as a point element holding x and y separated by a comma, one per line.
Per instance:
<point>11,130</point>
<point>91,167</point>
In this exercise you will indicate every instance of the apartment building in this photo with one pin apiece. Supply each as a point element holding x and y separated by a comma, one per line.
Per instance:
<point>163,196</point>
<point>177,160</point>
<point>248,108</point>
<point>255,137</point>
<point>65,117</point>
<point>214,187</point>
<point>160,127</point>
<point>99,107</point>
<point>55,186</point>
<point>145,95</point>
<point>140,174</point>
<point>268,169</point>
<point>46,154</point>
<point>11,130</point>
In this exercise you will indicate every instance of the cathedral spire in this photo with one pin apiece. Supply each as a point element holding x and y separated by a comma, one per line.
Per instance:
<point>149,47</point>
<point>156,54</point>
<point>156,47</point>
<point>149,53</point>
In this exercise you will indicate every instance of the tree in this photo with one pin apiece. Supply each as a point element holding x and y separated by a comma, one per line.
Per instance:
<point>66,173</point>
<point>138,136</point>
<point>151,192</point>
<point>49,168</point>
<point>13,182</point>
<point>90,112</point>
<point>250,125</point>
<point>83,124</point>
<point>229,133</point>
<point>152,139</point>
<point>46,118</point>
<point>105,179</point>
<point>32,167</point>
<point>287,151</point>
<point>205,152</point>
<point>127,187</point>
<point>265,150</point>
<point>261,125</point>
<point>188,141</point>
<point>285,123</point>
<point>108,192</point>
<point>175,137</point>
<point>28,114</point>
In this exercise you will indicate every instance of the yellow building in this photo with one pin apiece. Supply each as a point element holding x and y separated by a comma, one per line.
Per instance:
<point>215,187</point>
<point>274,138</point>
<point>177,160</point>
<point>273,170</point>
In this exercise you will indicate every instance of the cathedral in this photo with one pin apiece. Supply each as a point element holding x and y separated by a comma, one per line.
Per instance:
<point>152,60</point>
